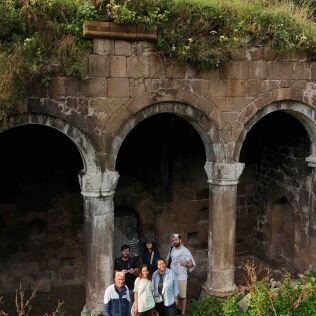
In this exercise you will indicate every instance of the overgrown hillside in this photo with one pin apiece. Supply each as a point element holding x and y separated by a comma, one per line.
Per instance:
<point>43,38</point>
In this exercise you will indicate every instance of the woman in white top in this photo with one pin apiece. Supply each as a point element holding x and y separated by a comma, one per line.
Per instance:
<point>143,293</point>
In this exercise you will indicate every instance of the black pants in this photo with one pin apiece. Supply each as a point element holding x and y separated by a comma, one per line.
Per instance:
<point>166,310</point>
<point>147,313</point>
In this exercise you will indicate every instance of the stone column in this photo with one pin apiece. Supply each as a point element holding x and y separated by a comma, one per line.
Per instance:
<point>223,179</point>
<point>98,191</point>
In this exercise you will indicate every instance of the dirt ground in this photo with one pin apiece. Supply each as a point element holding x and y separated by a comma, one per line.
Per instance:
<point>72,296</point>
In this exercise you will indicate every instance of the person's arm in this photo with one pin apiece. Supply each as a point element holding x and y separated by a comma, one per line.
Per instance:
<point>136,302</point>
<point>107,304</point>
<point>168,258</point>
<point>107,311</point>
<point>144,258</point>
<point>134,270</point>
<point>175,289</point>
<point>117,266</point>
<point>130,304</point>
<point>153,280</point>
<point>187,263</point>
<point>135,305</point>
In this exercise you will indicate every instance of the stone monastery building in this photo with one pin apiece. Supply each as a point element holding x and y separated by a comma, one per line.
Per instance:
<point>226,158</point>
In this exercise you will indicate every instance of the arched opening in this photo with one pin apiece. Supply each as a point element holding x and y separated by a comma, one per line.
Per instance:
<point>274,179</point>
<point>162,177</point>
<point>41,212</point>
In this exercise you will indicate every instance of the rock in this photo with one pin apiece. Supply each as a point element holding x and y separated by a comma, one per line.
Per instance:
<point>244,303</point>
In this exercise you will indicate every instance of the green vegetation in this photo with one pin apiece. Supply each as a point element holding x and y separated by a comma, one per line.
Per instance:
<point>38,40</point>
<point>288,298</point>
<point>43,38</point>
<point>203,32</point>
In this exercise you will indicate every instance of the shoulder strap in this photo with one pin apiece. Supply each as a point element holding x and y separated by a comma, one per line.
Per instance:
<point>151,258</point>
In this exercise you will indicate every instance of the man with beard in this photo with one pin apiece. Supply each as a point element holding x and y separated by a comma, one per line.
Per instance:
<point>127,265</point>
<point>181,261</point>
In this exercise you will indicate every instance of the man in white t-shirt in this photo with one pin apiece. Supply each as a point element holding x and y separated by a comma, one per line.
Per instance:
<point>181,261</point>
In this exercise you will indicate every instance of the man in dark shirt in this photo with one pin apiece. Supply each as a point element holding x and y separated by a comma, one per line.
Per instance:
<point>127,264</point>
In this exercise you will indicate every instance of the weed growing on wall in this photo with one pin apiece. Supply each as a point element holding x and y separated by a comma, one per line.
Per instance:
<point>204,32</point>
<point>43,38</point>
<point>38,40</point>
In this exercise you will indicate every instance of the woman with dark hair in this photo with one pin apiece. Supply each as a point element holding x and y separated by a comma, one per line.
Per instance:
<point>143,293</point>
<point>150,256</point>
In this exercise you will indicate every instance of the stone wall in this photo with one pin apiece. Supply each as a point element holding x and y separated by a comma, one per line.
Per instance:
<point>128,82</point>
<point>246,212</point>
<point>44,246</point>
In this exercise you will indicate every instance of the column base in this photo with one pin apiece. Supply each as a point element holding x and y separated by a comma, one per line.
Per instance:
<point>97,312</point>
<point>218,292</point>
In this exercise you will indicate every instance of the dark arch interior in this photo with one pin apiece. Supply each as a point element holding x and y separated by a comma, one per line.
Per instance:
<point>41,214</point>
<point>274,152</point>
<point>157,147</point>
<point>277,129</point>
<point>39,164</point>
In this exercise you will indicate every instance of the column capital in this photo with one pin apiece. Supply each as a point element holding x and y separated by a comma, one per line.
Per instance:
<point>96,184</point>
<point>223,173</point>
<point>311,160</point>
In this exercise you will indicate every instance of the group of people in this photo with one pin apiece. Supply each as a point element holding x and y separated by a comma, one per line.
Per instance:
<point>158,287</point>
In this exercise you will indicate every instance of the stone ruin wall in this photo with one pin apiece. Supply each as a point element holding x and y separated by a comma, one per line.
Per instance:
<point>44,246</point>
<point>126,77</point>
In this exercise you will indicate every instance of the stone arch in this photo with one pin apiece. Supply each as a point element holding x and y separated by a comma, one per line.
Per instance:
<point>87,152</point>
<point>305,114</point>
<point>210,136</point>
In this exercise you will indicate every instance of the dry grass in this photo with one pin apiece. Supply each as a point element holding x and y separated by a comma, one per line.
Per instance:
<point>66,43</point>
<point>24,306</point>
<point>254,272</point>
<point>2,313</point>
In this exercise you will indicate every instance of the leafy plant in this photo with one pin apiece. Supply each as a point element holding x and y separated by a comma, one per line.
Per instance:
<point>288,297</point>
<point>203,32</point>
<point>40,39</point>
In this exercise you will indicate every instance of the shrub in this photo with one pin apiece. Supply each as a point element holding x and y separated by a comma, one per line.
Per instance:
<point>43,38</point>
<point>289,297</point>
<point>38,40</point>
<point>203,32</point>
